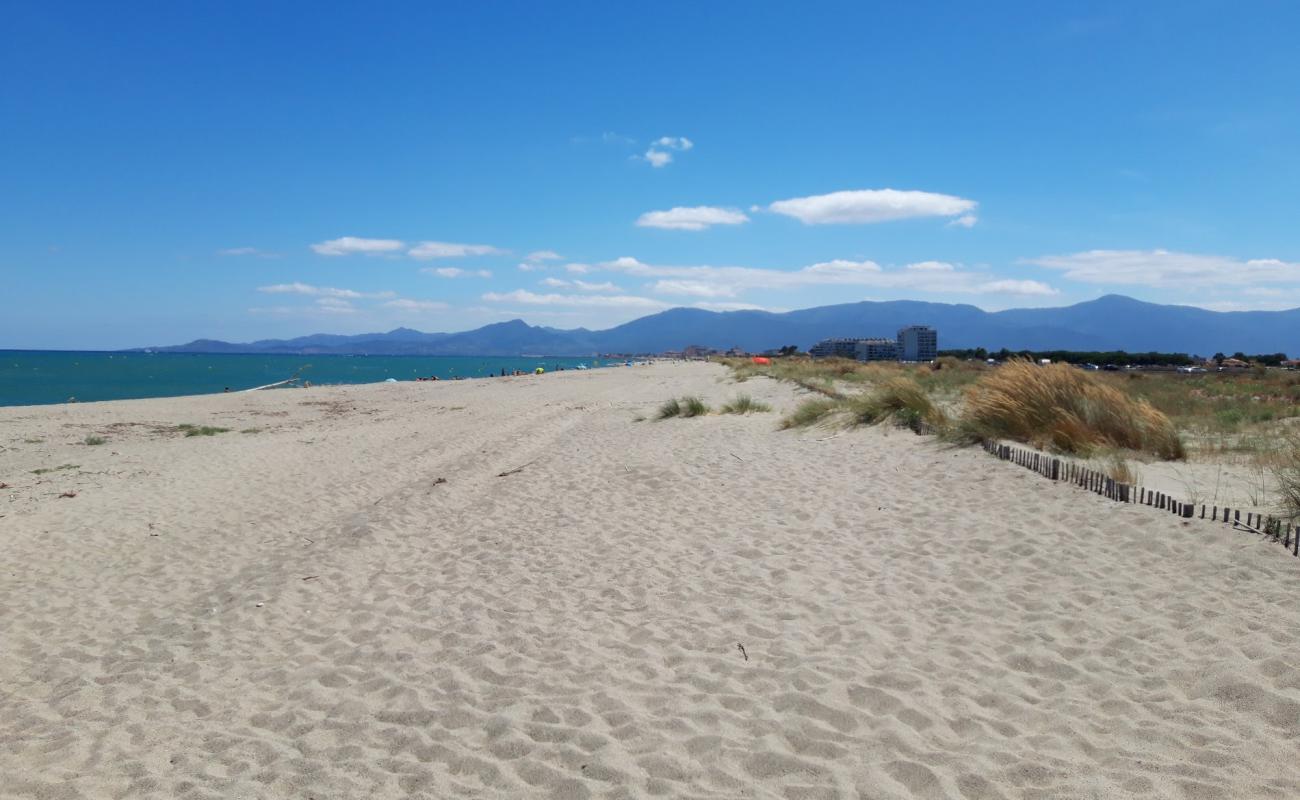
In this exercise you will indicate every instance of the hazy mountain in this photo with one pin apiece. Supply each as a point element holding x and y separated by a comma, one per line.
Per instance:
<point>1112,322</point>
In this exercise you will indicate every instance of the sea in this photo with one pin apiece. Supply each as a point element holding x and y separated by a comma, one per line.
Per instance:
<point>40,377</point>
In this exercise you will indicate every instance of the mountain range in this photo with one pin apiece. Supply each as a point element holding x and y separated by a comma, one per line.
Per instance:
<point>1112,322</point>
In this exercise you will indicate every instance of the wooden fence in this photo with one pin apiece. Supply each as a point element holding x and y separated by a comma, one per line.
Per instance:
<point>1058,469</point>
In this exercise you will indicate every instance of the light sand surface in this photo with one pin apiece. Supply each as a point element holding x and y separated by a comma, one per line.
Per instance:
<point>916,621</point>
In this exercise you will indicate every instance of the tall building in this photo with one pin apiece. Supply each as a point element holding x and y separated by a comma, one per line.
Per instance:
<point>918,343</point>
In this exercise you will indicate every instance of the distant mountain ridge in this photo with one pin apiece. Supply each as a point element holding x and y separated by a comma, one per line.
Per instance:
<point>1113,322</point>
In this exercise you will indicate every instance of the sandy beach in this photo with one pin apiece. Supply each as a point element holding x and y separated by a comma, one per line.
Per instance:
<point>517,588</point>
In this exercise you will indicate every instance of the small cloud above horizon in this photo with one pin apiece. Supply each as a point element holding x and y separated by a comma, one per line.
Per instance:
<point>661,150</point>
<point>696,218</point>
<point>871,206</point>
<point>353,245</point>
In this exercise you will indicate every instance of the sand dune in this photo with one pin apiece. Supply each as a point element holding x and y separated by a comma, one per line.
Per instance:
<point>353,601</point>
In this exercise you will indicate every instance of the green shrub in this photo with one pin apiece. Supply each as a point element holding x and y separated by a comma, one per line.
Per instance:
<point>744,404</point>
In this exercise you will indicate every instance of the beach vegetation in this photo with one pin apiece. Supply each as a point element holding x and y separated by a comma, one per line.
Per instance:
<point>810,412</point>
<point>200,430</point>
<point>688,406</point>
<point>693,406</point>
<point>1286,474</point>
<point>670,409</point>
<point>93,440</point>
<point>33,441</point>
<point>1118,469</point>
<point>251,430</point>
<point>901,400</point>
<point>44,470</point>
<point>744,404</point>
<point>1064,409</point>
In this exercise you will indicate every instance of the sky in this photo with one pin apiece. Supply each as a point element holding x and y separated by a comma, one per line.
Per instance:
<point>172,171</point>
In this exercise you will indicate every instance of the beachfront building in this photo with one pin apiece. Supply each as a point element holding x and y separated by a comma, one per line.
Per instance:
<point>914,343</point>
<point>918,343</point>
<point>876,350</point>
<point>834,348</point>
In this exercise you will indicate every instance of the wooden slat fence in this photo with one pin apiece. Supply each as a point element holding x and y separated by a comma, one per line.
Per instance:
<point>1059,469</point>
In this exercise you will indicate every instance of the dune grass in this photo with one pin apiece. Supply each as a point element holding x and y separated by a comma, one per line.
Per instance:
<point>93,440</point>
<point>688,406</point>
<point>1065,409</point>
<point>1286,474</point>
<point>200,430</point>
<point>744,404</point>
<point>811,412</point>
<point>901,400</point>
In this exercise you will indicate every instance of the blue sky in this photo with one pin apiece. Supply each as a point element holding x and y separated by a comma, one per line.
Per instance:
<point>246,170</point>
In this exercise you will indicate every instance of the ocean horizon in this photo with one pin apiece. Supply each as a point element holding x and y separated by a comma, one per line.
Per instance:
<point>44,377</point>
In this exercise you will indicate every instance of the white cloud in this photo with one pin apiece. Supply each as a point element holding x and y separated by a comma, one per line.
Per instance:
<point>964,221</point>
<point>694,288</point>
<point>578,269</point>
<point>1023,288</point>
<point>1163,268</point>
<point>696,218</point>
<point>542,255</point>
<point>662,156</point>
<point>319,291</point>
<point>674,142</point>
<point>658,158</point>
<point>429,250</point>
<point>456,272</point>
<point>352,245</point>
<point>533,299</point>
<point>931,266</point>
<point>555,283</point>
<point>866,206</point>
<point>404,304</point>
<point>525,266</point>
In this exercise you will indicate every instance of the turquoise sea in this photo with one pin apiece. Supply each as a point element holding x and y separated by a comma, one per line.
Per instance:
<point>29,377</point>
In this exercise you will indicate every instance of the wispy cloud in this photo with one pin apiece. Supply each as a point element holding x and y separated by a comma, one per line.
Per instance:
<point>334,305</point>
<point>709,281</point>
<point>542,255</point>
<point>712,306</point>
<point>430,250</point>
<point>868,206</point>
<point>580,285</point>
<point>353,245</point>
<point>1164,268</point>
<point>320,291</point>
<point>405,304</point>
<point>661,150</point>
<point>525,297</point>
<point>457,272</point>
<point>247,251</point>
<point>695,218</point>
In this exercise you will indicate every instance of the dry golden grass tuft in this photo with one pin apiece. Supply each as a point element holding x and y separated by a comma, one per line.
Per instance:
<point>1065,409</point>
